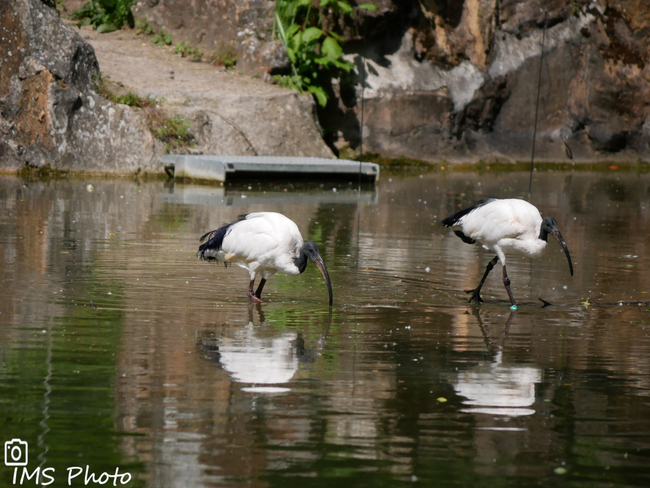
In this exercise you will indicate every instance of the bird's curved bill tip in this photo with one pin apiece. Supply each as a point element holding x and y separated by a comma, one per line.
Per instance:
<point>318,261</point>
<point>560,239</point>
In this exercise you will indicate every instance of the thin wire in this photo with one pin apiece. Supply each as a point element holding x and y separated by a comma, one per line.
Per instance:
<point>539,86</point>
<point>363,88</point>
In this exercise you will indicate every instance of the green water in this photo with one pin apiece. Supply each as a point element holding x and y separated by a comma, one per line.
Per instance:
<point>120,350</point>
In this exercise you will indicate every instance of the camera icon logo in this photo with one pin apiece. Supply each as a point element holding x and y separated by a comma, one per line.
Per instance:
<point>16,452</point>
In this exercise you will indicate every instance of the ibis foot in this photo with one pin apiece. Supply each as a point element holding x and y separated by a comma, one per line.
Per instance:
<point>545,303</point>
<point>254,298</point>
<point>476,295</point>
<point>258,293</point>
<point>476,292</point>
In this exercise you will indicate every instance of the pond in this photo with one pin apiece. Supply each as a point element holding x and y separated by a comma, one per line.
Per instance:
<point>123,354</point>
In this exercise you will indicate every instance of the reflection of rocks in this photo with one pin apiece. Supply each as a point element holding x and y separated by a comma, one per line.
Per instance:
<point>365,401</point>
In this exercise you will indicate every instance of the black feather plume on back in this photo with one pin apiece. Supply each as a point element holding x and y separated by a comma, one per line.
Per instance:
<point>455,218</point>
<point>214,239</point>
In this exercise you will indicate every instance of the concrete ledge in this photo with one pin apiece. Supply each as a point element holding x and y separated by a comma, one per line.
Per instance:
<point>218,168</point>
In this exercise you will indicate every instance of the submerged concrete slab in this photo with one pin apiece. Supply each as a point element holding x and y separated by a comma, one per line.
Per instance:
<point>218,168</point>
<point>218,196</point>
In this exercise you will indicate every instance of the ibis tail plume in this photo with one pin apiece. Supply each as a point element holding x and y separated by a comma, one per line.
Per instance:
<point>263,243</point>
<point>503,226</point>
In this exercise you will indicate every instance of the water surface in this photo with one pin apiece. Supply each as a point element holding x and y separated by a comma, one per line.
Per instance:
<point>119,349</point>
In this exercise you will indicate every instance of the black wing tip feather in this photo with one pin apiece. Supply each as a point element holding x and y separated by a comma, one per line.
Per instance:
<point>214,239</point>
<point>464,238</point>
<point>455,218</point>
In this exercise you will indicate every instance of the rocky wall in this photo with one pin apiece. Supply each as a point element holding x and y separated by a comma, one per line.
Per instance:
<point>458,80</point>
<point>49,113</point>
<point>211,25</point>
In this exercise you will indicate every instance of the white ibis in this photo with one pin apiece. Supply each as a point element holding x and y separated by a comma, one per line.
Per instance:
<point>263,243</point>
<point>502,226</point>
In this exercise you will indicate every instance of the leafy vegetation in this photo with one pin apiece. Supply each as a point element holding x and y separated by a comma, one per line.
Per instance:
<point>173,131</point>
<point>103,88</point>
<point>315,52</point>
<point>224,56</point>
<point>162,38</point>
<point>184,49</point>
<point>143,27</point>
<point>105,15</point>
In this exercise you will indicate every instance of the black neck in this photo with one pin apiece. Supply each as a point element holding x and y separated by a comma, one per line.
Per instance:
<point>548,224</point>
<point>543,234</point>
<point>301,261</point>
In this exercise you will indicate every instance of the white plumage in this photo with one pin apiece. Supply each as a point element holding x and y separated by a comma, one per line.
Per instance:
<point>503,226</point>
<point>263,243</point>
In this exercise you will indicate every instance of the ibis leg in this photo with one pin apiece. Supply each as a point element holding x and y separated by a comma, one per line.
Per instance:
<point>250,293</point>
<point>476,292</point>
<point>258,293</point>
<point>506,283</point>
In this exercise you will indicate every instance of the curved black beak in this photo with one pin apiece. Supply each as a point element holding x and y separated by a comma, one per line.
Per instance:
<point>556,233</point>
<point>318,262</point>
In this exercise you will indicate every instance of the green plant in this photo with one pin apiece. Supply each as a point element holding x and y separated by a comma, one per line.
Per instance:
<point>184,49</point>
<point>224,56</point>
<point>30,172</point>
<point>57,5</point>
<point>162,39</point>
<point>143,27</point>
<point>314,51</point>
<point>133,100</point>
<point>102,87</point>
<point>173,131</point>
<point>105,15</point>
<point>576,7</point>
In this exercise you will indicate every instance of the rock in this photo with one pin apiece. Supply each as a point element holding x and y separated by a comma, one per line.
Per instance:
<point>247,25</point>
<point>463,83</point>
<point>267,59</point>
<point>452,80</point>
<point>229,113</point>
<point>50,113</point>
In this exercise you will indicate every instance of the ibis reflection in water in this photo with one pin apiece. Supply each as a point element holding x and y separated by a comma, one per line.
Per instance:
<point>257,355</point>
<point>263,243</point>
<point>503,226</point>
